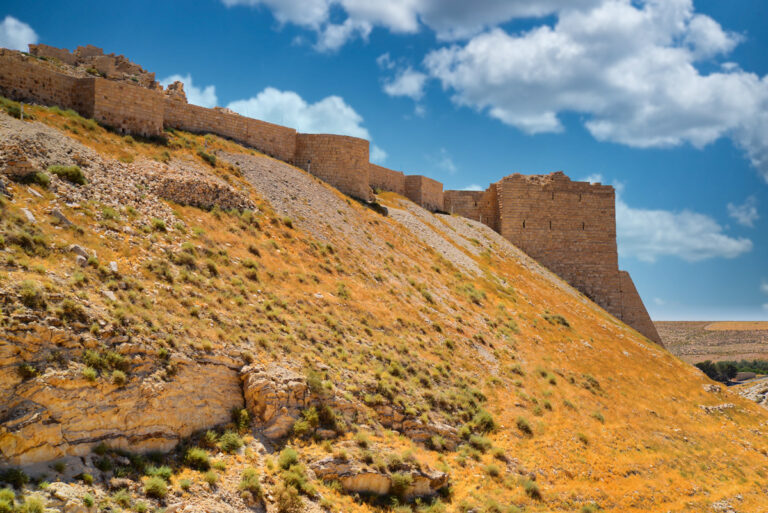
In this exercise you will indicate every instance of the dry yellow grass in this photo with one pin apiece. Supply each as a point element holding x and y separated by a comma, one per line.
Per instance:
<point>616,420</point>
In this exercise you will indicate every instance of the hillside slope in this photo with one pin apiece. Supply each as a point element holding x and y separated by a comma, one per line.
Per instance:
<point>405,354</point>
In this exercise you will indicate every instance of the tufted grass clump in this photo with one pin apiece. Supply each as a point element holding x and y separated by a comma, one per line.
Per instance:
<point>524,426</point>
<point>71,174</point>
<point>31,295</point>
<point>197,458</point>
<point>531,489</point>
<point>14,477</point>
<point>32,504</point>
<point>249,482</point>
<point>230,442</point>
<point>155,487</point>
<point>288,457</point>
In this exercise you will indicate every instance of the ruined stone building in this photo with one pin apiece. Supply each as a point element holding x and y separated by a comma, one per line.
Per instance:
<point>570,227</point>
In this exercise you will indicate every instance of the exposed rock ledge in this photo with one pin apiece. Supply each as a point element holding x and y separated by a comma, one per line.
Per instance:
<point>60,414</point>
<point>358,478</point>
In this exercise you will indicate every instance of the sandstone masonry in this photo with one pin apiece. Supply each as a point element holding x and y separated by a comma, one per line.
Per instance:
<point>568,226</point>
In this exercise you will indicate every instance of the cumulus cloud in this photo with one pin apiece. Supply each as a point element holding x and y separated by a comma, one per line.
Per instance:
<point>16,35</point>
<point>628,67</point>
<point>764,286</point>
<point>746,213</point>
<point>449,19</point>
<point>407,82</point>
<point>204,97</point>
<point>648,234</point>
<point>443,161</point>
<point>331,115</point>
<point>473,187</point>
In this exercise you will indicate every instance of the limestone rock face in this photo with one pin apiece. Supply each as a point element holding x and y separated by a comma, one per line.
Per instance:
<point>58,413</point>
<point>757,392</point>
<point>275,396</point>
<point>358,478</point>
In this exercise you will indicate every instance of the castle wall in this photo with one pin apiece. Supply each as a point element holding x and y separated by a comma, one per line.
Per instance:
<point>127,108</point>
<point>21,78</point>
<point>52,52</point>
<point>274,140</point>
<point>424,191</point>
<point>482,206</point>
<point>633,310</point>
<point>387,179</point>
<point>340,160</point>
<point>567,226</point>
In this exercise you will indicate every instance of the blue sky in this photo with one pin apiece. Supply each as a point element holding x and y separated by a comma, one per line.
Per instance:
<point>665,99</point>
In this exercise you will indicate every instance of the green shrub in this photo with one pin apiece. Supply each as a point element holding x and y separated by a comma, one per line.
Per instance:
<point>524,426</point>
<point>86,478</point>
<point>249,482</point>
<point>163,472</point>
<point>598,416</point>
<point>26,371</point>
<point>493,470</point>
<point>118,378</point>
<point>197,458</point>
<point>483,422</point>
<point>32,504</point>
<point>185,484</point>
<point>211,478</point>
<point>287,458</point>
<point>230,442</point>
<point>38,178</point>
<point>90,373</point>
<point>141,507</point>
<point>7,500</point>
<point>556,319</point>
<point>210,159</point>
<point>72,174</point>
<point>158,225</point>
<point>288,499</point>
<point>14,477</point>
<point>480,443</point>
<point>122,498</point>
<point>400,484</point>
<point>531,489</point>
<point>88,501</point>
<point>155,487</point>
<point>31,295</point>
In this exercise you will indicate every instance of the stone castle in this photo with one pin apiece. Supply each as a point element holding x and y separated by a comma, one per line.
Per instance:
<point>570,227</point>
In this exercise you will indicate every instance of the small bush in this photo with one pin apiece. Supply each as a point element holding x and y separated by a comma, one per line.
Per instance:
<point>162,472</point>
<point>531,489</point>
<point>122,498</point>
<point>185,484</point>
<point>86,478</point>
<point>155,487</point>
<point>483,422</point>
<point>197,458</point>
<point>31,295</point>
<point>90,374</point>
<point>493,470</point>
<point>88,501</point>
<point>211,478</point>
<point>400,484</point>
<point>72,174</point>
<point>524,426</point>
<point>32,504</point>
<point>598,416</point>
<point>556,319</point>
<point>288,499</point>
<point>480,443</point>
<point>14,477</point>
<point>26,371</point>
<point>210,159</point>
<point>249,482</point>
<point>158,225</point>
<point>118,378</point>
<point>230,442</point>
<point>288,457</point>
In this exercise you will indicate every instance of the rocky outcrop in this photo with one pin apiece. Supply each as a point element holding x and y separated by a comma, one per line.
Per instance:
<point>275,396</point>
<point>199,191</point>
<point>757,392</point>
<point>358,478</point>
<point>414,428</point>
<point>58,413</point>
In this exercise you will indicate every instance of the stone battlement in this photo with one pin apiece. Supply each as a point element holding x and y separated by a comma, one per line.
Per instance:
<point>568,226</point>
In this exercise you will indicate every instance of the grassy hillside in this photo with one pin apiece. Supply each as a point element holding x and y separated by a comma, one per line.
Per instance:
<point>558,406</point>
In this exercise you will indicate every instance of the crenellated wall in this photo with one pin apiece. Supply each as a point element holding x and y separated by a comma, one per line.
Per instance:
<point>568,226</point>
<point>340,160</point>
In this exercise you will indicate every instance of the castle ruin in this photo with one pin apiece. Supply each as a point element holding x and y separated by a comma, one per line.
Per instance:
<point>570,227</point>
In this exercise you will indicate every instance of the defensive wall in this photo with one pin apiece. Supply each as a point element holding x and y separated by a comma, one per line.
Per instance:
<point>568,226</point>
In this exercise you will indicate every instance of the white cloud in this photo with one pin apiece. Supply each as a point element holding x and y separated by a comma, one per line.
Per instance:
<point>691,236</point>
<point>649,234</point>
<point>330,115</point>
<point>378,156</point>
<point>450,19</point>
<point>746,213</point>
<point>384,61</point>
<point>628,67</point>
<point>764,287</point>
<point>658,301</point>
<point>204,97</point>
<point>473,187</point>
<point>407,82</point>
<point>765,307</point>
<point>16,35</point>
